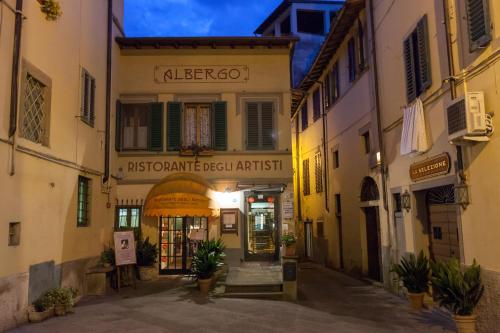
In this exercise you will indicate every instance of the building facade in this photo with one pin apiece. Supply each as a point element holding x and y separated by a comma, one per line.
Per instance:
<point>55,206</point>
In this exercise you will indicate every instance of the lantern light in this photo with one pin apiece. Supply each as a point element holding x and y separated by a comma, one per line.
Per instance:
<point>406,201</point>
<point>461,192</point>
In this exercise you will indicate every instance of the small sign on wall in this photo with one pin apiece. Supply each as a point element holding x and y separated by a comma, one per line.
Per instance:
<point>201,74</point>
<point>431,167</point>
<point>229,219</point>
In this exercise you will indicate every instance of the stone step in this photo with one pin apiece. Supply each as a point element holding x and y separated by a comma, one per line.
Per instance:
<point>265,295</point>
<point>253,288</point>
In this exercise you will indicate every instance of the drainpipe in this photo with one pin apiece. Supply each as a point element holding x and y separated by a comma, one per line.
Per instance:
<point>325,144</point>
<point>108,91</point>
<point>297,171</point>
<point>14,90</point>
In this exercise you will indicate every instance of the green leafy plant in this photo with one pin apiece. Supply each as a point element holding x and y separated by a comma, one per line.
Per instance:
<point>108,256</point>
<point>414,272</point>
<point>288,239</point>
<point>51,9</point>
<point>214,246</point>
<point>205,263</point>
<point>44,302</point>
<point>146,252</point>
<point>457,290</point>
<point>54,296</point>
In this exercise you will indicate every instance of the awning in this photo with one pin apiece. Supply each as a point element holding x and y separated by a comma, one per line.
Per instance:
<point>181,194</point>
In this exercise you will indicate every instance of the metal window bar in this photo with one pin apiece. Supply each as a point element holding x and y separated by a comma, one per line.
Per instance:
<point>33,126</point>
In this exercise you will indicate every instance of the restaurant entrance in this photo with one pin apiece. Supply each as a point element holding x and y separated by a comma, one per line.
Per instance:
<point>262,227</point>
<point>179,239</point>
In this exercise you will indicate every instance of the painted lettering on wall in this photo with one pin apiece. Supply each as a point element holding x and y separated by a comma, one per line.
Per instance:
<point>202,74</point>
<point>202,166</point>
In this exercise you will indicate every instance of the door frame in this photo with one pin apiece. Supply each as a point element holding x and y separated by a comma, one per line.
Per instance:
<point>379,242</point>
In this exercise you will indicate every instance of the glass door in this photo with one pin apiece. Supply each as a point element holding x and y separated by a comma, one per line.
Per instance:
<point>262,230</point>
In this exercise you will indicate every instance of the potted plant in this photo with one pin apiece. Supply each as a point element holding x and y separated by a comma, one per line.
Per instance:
<point>63,300</point>
<point>459,291</point>
<point>217,247</point>
<point>51,9</point>
<point>203,267</point>
<point>41,309</point>
<point>414,272</point>
<point>108,257</point>
<point>288,241</point>
<point>146,258</point>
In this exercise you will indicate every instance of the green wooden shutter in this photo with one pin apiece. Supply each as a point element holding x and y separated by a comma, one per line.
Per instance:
<point>478,19</point>
<point>424,62</point>
<point>156,127</point>
<point>118,126</point>
<point>267,125</point>
<point>252,110</point>
<point>174,113</point>
<point>411,86</point>
<point>219,126</point>
<point>92,102</point>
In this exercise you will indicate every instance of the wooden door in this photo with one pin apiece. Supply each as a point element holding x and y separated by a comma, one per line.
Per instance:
<point>444,240</point>
<point>373,243</point>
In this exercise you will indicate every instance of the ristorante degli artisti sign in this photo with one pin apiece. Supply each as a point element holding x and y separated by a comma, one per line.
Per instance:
<point>432,167</point>
<point>201,74</point>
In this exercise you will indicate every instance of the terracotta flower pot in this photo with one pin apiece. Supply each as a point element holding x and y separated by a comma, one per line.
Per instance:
<point>36,317</point>
<point>60,309</point>
<point>204,285</point>
<point>290,250</point>
<point>465,324</point>
<point>148,273</point>
<point>416,300</point>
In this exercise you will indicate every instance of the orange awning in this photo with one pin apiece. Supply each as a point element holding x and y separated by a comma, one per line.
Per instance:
<point>181,194</point>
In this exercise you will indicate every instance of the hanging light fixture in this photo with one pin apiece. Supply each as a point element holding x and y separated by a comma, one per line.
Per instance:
<point>406,201</point>
<point>461,192</point>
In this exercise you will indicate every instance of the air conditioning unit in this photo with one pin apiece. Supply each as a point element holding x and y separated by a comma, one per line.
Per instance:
<point>466,118</point>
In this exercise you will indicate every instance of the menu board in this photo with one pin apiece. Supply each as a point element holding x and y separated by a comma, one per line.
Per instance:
<point>124,248</point>
<point>229,221</point>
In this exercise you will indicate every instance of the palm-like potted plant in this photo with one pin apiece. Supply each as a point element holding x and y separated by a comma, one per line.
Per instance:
<point>288,240</point>
<point>459,291</point>
<point>203,267</point>
<point>146,258</point>
<point>414,272</point>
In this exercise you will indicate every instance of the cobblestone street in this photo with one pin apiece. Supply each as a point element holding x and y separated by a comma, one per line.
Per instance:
<point>329,302</point>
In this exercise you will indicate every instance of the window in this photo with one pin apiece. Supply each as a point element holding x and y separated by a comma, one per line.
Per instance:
<point>478,22</point>
<point>366,142</point>
<point>338,205</point>
<point>320,229</point>
<point>260,125</point>
<point>336,160</point>
<point>332,85</point>
<point>397,202</point>
<point>361,47</point>
<point>84,197</point>
<point>417,61</point>
<point>318,173</point>
<point>305,177</point>
<point>311,22</point>
<point>128,217</point>
<point>88,98</point>
<point>351,50</point>
<point>197,128</point>
<point>286,26</point>
<point>316,104</point>
<point>14,233</point>
<point>140,126</point>
<point>35,103</point>
<point>303,115</point>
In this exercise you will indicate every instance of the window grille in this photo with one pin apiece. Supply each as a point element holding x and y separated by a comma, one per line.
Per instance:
<point>84,199</point>
<point>34,120</point>
<point>318,173</point>
<point>305,177</point>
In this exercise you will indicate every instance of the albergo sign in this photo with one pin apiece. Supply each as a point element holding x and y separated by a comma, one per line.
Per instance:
<point>201,74</point>
<point>431,167</point>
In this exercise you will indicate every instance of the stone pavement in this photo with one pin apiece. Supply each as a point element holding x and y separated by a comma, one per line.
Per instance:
<point>329,302</point>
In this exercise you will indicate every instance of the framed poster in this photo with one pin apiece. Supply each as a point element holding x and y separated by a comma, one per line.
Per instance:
<point>229,219</point>
<point>124,248</point>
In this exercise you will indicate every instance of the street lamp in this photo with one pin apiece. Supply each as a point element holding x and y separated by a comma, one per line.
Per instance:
<point>406,201</point>
<point>461,192</point>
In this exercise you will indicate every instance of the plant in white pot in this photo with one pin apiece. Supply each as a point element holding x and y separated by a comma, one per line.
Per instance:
<point>414,272</point>
<point>288,240</point>
<point>204,265</point>
<point>146,258</point>
<point>458,290</point>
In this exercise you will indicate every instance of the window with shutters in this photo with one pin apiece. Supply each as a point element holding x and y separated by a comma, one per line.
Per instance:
<point>366,142</point>
<point>318,173</point>
<point>332,85</point>
<point>197,126</point>
<point>140,126</point>
<point>417,60</point>
<point>478,23</point>
<point>306,185</point>
<point>34,115</point>
<point>304,116</point>
<point>260,126</point>
<point>88,98</point>
<point>351,54</point>
<point>316,104</point>
<point>361,47</point>
<point>84,200</point>
<point>336,159</point>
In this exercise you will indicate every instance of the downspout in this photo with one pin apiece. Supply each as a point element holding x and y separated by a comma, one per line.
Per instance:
<point>108,91</point>
<point>383,171</point>
<point>14,90</point>
<point>325,152</point>
<point>297,171</point>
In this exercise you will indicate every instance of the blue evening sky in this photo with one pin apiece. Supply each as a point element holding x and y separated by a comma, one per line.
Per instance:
<point>195,17</point>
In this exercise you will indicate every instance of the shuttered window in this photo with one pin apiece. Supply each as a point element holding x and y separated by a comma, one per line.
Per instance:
<point>220,126</point>
<point>318,173</point>
<point>336,159</point>
<point>316,104</point>
<point>478,19</point>
<point>139,126</point>
<point>332,89</point>
<point>361,47</point>
<point>306,186</point>
<point>88,98</point>
<point>351,53</point>
<point>304,116</point>
<point>417,60</point>
<point>260,126</point>
<point>174,113</point>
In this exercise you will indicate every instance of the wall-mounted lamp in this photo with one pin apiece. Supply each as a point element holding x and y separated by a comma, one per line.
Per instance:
<point>461,192</point>
<point>406,201</point>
